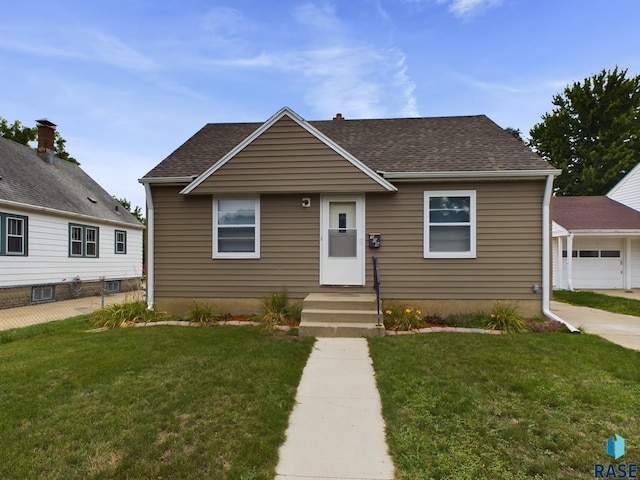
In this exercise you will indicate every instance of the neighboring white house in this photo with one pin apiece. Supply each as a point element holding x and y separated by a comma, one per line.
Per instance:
<point>603,236</point>
<point>61,235</point>
<point>627,191</point>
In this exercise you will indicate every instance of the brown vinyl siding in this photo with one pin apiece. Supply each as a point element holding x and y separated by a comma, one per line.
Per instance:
<point>508,263</point>
<point>508,250</point>
<point>287,158</point>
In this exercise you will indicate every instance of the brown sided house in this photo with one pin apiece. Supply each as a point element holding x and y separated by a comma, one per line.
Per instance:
<point>455,209</point>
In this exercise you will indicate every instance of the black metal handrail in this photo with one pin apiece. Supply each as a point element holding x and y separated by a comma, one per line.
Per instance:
<point>376,286</point>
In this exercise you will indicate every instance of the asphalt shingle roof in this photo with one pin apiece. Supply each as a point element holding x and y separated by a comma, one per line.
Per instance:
<point>593,213</point>
<point>431,144</point>
<point>64,186</point>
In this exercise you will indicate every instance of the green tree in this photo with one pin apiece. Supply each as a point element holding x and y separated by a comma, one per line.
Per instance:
<point>136,212</point>
<point>24,135</point>
<point>17,132</point>
<point>592,134</point>
<point>516,133</point>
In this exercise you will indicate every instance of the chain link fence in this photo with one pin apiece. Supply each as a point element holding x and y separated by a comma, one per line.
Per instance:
<point>19,317</point>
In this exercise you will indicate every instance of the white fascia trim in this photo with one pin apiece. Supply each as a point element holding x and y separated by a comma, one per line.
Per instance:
<point>624,180</point>
<point>70,215</point>
<point>558,230</point>
<point>471,175</point>
<point>303,123</point>
<point>605,233</point>
<point>167,180</point>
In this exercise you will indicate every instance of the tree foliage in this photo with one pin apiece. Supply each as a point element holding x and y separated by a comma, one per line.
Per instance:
<point>136,212</point>
<point>516,133</point>
<point>24,135</point>
<point>592,134</point>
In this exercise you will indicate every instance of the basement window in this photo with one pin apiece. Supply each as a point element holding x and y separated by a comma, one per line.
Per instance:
<point>42,294</point>
<point>113,286</point>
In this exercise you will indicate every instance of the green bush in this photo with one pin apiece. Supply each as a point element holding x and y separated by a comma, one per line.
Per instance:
<point>124,314</point>
<point>276,310</point>
<point>505,316</point>
<point>203,313</point>
<point>402,318</point>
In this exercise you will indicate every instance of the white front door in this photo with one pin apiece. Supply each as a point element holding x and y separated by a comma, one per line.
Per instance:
<point>342,240</point>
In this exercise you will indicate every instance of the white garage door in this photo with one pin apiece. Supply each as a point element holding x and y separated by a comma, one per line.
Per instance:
<point>597,263</point>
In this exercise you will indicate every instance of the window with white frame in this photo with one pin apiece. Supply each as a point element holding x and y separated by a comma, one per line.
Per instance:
<point>450,224</point>
<point>121,241</point>
<point>83,240</point>
<point>42,293</point>
<point>236,227</point>
<point>13,231</point>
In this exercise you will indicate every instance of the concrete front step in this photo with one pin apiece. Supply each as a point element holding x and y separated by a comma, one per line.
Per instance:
<point>339,329</point>
<point>339,316</point>
<point>340,301</point>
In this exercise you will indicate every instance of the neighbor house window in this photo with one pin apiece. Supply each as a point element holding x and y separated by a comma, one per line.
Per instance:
<point>42,294</point>
<point>13,231</point>
<point>236,228</point>
<point>83,240</point>
<point>121,241</point>
<point>113,286</point>
<point>450,224</point>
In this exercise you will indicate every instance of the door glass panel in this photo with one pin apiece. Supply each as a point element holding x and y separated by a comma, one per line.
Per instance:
<point>343,234</point>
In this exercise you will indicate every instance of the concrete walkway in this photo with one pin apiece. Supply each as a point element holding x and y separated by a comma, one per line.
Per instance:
<point>336,429</point>
<point>615,327</point>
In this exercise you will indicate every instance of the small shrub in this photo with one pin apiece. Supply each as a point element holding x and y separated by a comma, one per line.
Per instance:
<point>506,316</point>
<point>539,325</point>
<point>275,310</point>
<point>124,314</point>
<point>203,313</point>
<point>402,318</point>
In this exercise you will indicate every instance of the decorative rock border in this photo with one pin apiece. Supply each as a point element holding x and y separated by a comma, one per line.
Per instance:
<point>443,329</point>
<point>285,328</point>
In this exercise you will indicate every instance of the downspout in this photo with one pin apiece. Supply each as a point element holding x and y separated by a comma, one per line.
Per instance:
<point>150,247</point>
<point>546,241</point>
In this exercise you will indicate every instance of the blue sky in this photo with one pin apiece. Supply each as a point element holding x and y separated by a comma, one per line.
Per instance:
<point>128,81</point>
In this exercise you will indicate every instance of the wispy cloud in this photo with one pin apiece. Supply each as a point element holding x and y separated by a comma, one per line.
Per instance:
<point>466,8</point>
<point>461,8</point>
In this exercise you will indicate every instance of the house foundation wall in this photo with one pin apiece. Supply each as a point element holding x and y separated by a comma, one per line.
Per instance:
<point>21,296</point>
<point>442,308</point>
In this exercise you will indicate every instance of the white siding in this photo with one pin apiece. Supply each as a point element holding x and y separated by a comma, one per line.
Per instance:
<point>627,191</point>
<point>48,259</point>
<point>635,263</point>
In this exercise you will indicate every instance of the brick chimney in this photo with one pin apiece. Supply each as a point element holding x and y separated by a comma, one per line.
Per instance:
<point>46,139</point>
<point>338,117</point>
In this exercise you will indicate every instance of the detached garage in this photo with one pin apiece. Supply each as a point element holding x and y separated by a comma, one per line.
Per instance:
<point>597,244</point>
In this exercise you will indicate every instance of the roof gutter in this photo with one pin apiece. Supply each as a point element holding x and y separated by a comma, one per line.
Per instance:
<point>150,247</point>
<point>470,174</point>
<point>546,234</point>
<point>62,213</point>
<point>167,180</point>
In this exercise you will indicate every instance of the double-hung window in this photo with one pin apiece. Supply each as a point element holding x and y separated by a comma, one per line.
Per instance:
<point>121,241</point>
<point>13,234</point>
<point>83,240</point>
<point>450,224</point>
<point>236,228</point>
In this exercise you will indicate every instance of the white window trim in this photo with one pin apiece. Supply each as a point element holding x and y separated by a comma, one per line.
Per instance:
<point>472,223</point>
<point>254,254</point>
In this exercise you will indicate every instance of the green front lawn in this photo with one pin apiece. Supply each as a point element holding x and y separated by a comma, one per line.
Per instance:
<point>471,406</point>
<point>610,303</point>
<point>145,403</point>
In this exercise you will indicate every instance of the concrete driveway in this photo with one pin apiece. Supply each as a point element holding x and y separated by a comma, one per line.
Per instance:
<point>615,327</point>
